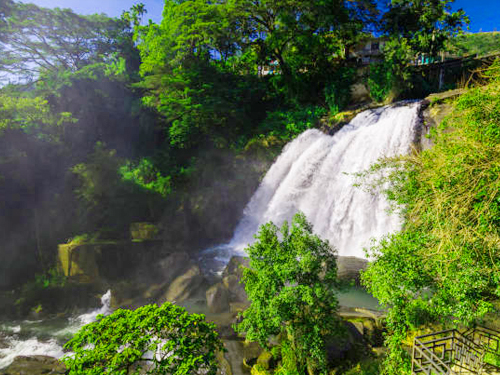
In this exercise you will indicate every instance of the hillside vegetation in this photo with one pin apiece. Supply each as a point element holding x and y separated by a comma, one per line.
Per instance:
<point>443,267</point>
<point>475,43</point>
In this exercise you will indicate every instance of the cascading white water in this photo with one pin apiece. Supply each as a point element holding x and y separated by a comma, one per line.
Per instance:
<point>315,174</point>
<point>44,338</point>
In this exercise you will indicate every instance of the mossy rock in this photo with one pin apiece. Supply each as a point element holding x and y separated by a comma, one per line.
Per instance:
<point>143,231</point>
<point>259,370</point>
<point>35,365</point>
<point>265,360</point>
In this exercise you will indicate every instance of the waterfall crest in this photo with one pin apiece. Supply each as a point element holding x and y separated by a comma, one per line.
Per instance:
<point>315,174</point>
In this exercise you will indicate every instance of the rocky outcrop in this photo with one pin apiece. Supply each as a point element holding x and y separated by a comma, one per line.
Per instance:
<point>185,285</point>
<point>34,365</point>
<point>234,266</point>
<point>217,298</point>
<point>236,288</point>
<point>229,295</point>
<point>348,268</point>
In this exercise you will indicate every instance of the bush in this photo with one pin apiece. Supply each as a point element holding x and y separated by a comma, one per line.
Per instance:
<point>289,124</point>
<point>162,340</point>
<point>338,90</point>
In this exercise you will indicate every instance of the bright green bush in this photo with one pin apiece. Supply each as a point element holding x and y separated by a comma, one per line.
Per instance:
<point>161,340</point>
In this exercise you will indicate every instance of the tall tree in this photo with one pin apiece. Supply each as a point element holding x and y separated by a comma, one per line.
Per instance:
<point>34,39</point>
<point>424,24</point>
<point>291,286</point>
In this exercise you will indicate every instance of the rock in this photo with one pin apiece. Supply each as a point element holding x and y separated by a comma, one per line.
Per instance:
<point>265,360</point>
<point>224,367</point>
<point>235,288</point>
<point>348,268</point>
<point>233,267</point>
<point>217,298</point>
<point>185,285</point>
<point>237,307</point>
<point>251,351</point>
<point>259,370</point>
<point>143,231</point>
<point>34,365</point>
<point>342,347</point>
<point>359,327</point>
<point>78,261</point>
<point>172,266</point>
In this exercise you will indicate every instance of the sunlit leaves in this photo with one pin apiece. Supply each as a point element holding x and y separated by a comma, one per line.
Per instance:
<point>291,285</point>
<point>164,340</point>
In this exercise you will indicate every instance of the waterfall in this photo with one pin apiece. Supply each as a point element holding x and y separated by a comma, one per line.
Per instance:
<point>315,174</point>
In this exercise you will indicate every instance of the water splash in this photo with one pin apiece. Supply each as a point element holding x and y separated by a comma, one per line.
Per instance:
<point>44,337</point>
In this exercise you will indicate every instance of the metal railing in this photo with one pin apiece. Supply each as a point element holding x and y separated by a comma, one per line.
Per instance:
<point>451,352</point>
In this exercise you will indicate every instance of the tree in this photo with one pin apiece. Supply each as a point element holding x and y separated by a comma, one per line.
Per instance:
<point>160,340</point>
<point>291,286</point>
<point>425,24</point>
<point>34,39</point>
<point>414,28</point>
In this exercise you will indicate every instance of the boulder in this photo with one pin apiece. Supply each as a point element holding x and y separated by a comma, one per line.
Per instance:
<point>265,360</point>
<point>217,298</point>
<point>185,285</point>
<point>237,307</point>
<point>172,266</point>
<point>251,351</point>
<point>235,288</point>
<point>348,268</point>
<point>143,231</point>
<point>233,267</point>
<point>34,365</point>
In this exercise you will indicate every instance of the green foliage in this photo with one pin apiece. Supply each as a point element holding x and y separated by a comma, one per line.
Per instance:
<point>368,367</point>
<point>338,91</point>
<point>474,43</point>
<point>380,81</point>
<point>29,114</point>
<point>288,124</point>
<point>159,340</point>
<point>53,277</point>
<point>53,40</point>
<point>492,359</point>
<point>443,265</point>
<point>98,176</point>
<point>425,25</point>
<point>290,284</point>
<point>147,176</point>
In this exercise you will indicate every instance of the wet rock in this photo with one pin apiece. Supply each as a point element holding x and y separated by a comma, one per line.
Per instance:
<point>234,266</point>
<point>348,268</point>
<point>251,351</point>
<point>217,298</point>
<point>237,307</point>
<point>143,231</point>
<point>235,288</point>
<point>34,365</point>
<point>172,266</point>
<point>184,286</point>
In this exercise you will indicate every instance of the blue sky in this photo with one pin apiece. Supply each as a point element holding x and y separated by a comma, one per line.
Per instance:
<point>484,14</point>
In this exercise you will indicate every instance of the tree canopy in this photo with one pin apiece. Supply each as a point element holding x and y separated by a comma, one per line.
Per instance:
<point>291,287</point>
<point>159,340</point>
